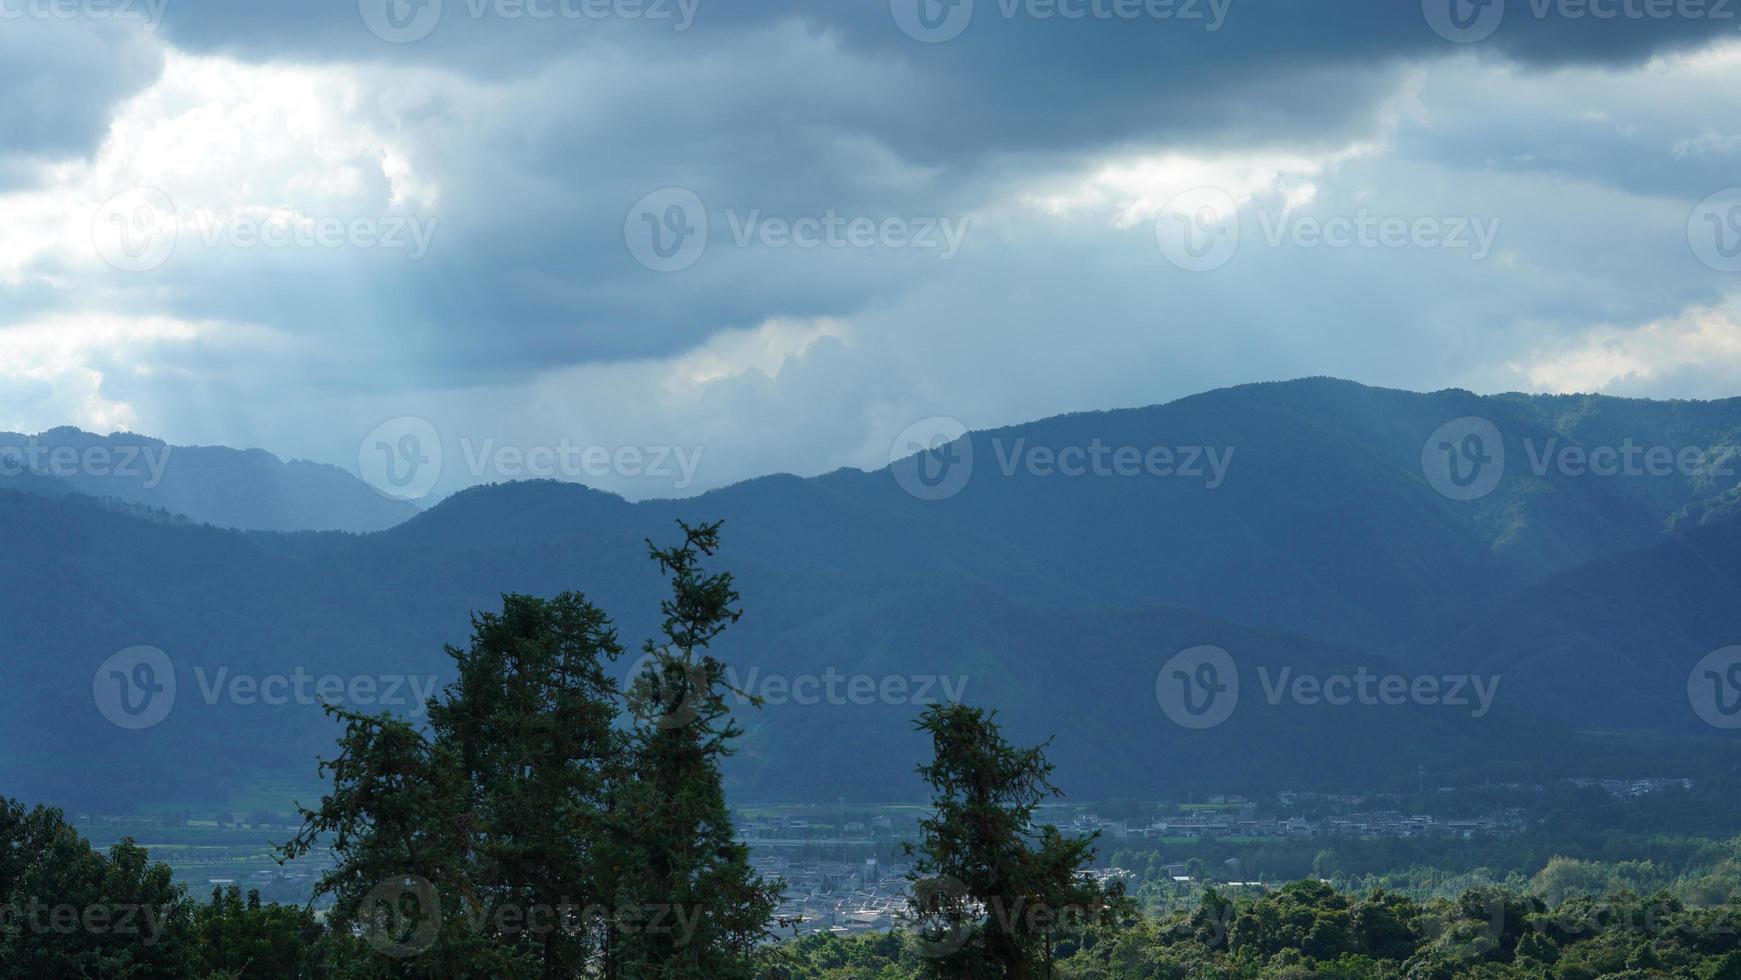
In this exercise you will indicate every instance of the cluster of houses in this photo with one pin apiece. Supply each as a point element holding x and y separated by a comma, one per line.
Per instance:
<point>846,898</point>
<point>792,831</point>
<point>836,896</point>
<point>1629,788</point>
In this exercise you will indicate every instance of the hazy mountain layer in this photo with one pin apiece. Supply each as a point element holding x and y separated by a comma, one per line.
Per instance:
<point>244,489</point>
<point>1319,550</point>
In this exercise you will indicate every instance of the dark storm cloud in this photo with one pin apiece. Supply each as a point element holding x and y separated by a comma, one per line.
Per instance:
<point>788,116</point>
<point>1049,43</point>
<point>1020,74</point>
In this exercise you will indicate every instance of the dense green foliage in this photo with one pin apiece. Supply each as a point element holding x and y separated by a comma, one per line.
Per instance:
<point>1309,929</point>
<point>68,911</point>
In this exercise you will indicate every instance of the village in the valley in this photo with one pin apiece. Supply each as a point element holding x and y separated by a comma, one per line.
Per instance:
<point>829,891</point>
<point>844,866</point>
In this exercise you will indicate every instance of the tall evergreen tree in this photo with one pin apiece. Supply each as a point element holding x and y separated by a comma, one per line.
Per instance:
<point>397,822</point>
<point>992,893</point>
<point>706,908</point>
<point>531,721</point>
<point>476,849</point>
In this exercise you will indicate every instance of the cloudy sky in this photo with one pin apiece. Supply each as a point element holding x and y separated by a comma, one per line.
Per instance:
<point>784,231</point>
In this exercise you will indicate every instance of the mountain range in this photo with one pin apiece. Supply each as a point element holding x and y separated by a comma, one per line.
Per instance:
<point>250,490</point>
<point>1534,547</point>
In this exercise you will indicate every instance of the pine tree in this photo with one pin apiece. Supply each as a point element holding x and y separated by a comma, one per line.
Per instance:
<point>397,822</point>
<point>531,722</point>
<point>480,848</point>
<point>705,910</point>
<point>991,893</point>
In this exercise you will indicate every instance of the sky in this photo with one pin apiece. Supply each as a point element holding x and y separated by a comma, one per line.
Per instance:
<point>569,237</point>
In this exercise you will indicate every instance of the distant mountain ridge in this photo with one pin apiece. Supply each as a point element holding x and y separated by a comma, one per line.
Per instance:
<point>1330,547</point>
<point>249,490</point>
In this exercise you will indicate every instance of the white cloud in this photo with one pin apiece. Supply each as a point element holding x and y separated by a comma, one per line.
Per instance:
<point>58,371</point>
<point>765,349</point>
<point>1606,358</point>
<point>219,138</point>
<point>1137,190</point>
<point>1136,186</point>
